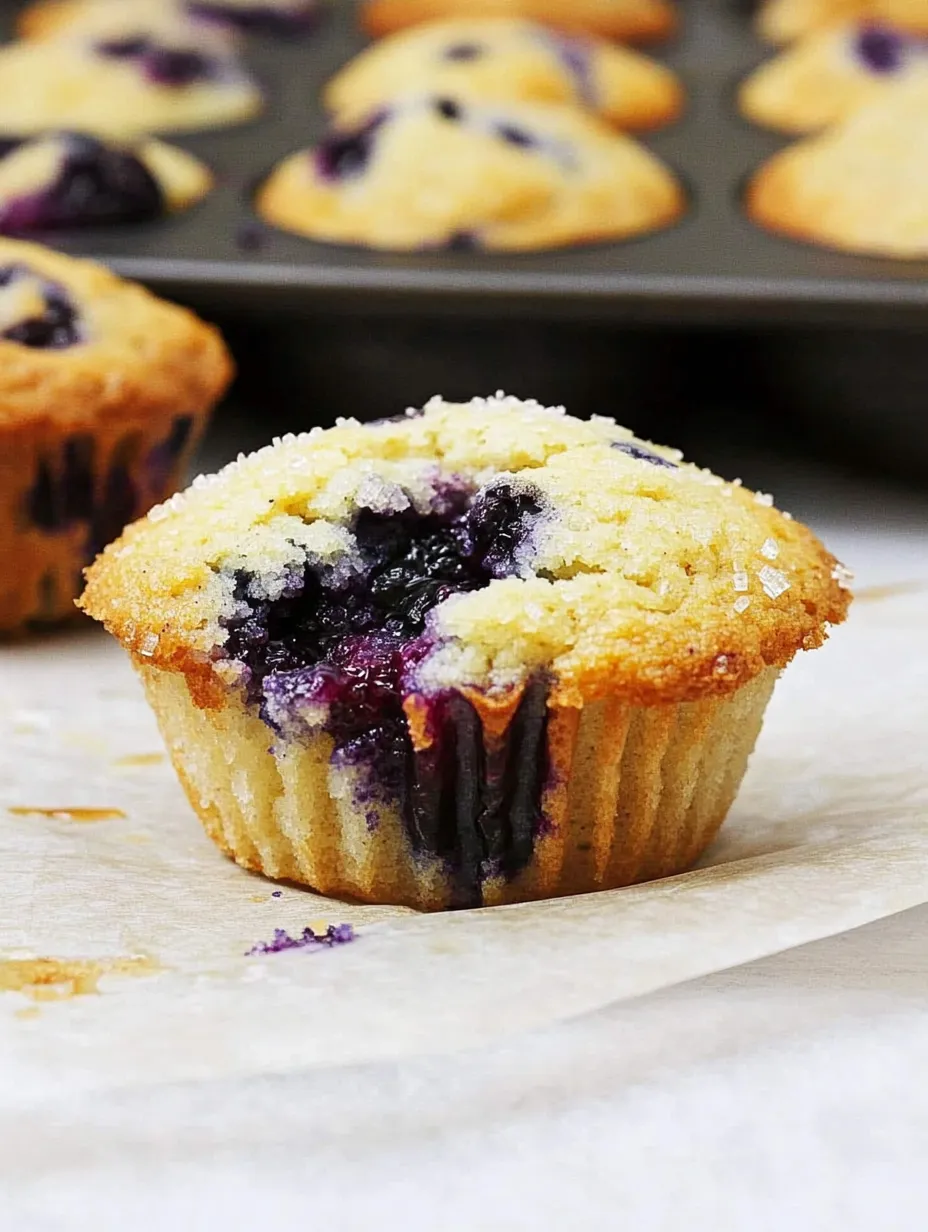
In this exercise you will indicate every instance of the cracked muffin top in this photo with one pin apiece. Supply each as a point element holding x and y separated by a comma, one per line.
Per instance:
<point>470,546</point>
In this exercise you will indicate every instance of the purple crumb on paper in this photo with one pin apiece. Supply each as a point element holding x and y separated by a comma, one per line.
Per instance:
<point>277,894</point>
<point>335,934</point>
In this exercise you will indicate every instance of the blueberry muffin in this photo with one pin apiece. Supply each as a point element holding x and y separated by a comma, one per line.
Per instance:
<point>96,20</point>
<point>131,85</point>
<point>500,60</point>
<point>68,180</point>
<point>862,185</point>
<point>104,391</point>
<point>780,21</point>
<point>629,20</point>
<point>825,76</point>
<point>52,18</point>
<point>438,171</point>
<point>480,654</point>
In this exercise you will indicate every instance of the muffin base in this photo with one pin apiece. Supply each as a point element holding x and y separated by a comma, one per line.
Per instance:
<point>633,793</point>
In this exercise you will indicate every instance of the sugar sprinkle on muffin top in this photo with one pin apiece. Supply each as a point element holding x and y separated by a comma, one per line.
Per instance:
<point>599,552</point>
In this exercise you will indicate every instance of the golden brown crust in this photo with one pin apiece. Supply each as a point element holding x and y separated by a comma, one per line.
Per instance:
<point>629,20</point>
<point>432,180</point>
<point>732,614</point>
<point>39,20</point>
<point>142,356</point>
<point>856,186</point>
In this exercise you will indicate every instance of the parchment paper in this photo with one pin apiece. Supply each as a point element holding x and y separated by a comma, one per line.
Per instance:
<point>830,831</point>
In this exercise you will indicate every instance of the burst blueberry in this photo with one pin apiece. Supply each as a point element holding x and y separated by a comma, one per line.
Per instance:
<point>881,48</point>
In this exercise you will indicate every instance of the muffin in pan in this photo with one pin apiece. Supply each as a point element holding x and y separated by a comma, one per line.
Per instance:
<point>104,391</point>
<point>480,654</point>
<point>861,185</point>
<point>121,86</point>
<point>67,180</point>
<point>828,75</point>
<point>781,21</point>
<point>108,18</point>
<point>434,171</point>
<point>630,20</point>
<point>504,60</point>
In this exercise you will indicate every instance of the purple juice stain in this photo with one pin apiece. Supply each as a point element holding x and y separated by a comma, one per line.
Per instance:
<point>162,459</point>
<point>575,55</point>
<point>334,935</point>
<point>343,155</point>
<point>259,18</point>
<point>341,656</point>
<point>96,184</point>
<point>53,329</point>
<point>882,49</point>
<point>639,452</point>
<point>69,488</point>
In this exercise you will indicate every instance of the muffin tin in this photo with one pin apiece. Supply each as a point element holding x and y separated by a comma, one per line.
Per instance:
<point>714,266</point>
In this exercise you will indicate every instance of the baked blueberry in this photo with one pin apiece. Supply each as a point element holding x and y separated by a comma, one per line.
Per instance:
<point>72,180</point>
<point>829,75</point>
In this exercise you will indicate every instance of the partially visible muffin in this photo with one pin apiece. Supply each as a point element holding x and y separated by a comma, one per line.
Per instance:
<point>630,20</point>
<point>827,75</point>
<point>67,180</point>
<point>109,18</point>
<point>861,186</point>
<point>122,86</point>
<point>480,654</point>
<point>505,60</point>
<point>104,392</point>
<point>781,21</point>
<point>441,171</point>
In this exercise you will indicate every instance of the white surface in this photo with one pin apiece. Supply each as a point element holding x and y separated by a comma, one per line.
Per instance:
<point>782,1094</point>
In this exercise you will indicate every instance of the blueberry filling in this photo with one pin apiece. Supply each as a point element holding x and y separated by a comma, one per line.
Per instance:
<point>344,155</point>
<point>448,109</point>
<point>52,329</point>
<point>634,450</point>
<point>463,52</point>
<point>881,49</point>
<point>341,655</point>
<point>166,66</point>
<point>258,18</point>
<point>95,184</point>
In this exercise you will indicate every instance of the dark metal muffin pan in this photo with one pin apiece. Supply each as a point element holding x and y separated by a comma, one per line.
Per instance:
<point>712,267</point>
